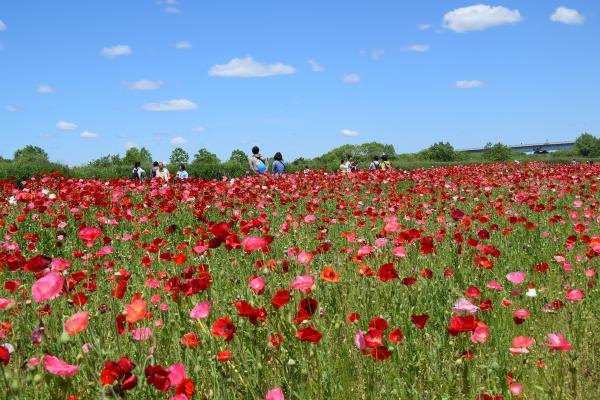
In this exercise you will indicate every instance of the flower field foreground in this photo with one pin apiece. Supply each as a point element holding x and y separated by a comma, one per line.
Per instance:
<point>474,282</point>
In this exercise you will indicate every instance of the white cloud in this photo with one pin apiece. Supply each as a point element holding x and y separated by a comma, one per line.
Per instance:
<point>418,48</point>
<point>143,84</point>
<point>171,105</point>
<point>184,44</point>
<point>424,27</point>
<point>66,125</point>
<point>480,17</point>
<point>376,54</point>
<point>315,66</point>
<point>10,108</point>
<point>349,133</point>
<point>2,26</point>
<point>88,135</point>
<point>129,144</point>
<point>351,78</point>
<point>172,10</point>
<point>45,89</point>
<point>115,51</point>
<point>568,16</point>
<point>198,129</point>
<point>248,68</point>
<point>178,141</point>
<point>469,84</point>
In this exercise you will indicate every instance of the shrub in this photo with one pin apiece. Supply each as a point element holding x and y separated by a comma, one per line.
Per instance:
<point>496,152</point>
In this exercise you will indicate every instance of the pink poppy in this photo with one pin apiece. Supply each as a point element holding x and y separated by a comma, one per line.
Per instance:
<point>141,334</point>
<point>77,323</point>
<point>310,218</point>
<point>359,340</point>
<point>201,310</point>
<point>520,344</point>
<point>480,334</point>
<point>516,388</point>
<point>60,264</point>
<point>365,251</point>
<point>516,277</point>
<point>494,285</point>
<point>399,251</point>
<point>463,305</point>
<point>305,257</point>
<point>275,394</point>
<point>303,283</point>
<point>5,303</point>
<point>252,243</point>
<point>89,234</point>
<point>257,284</point>
<point>47,287</point>
<point>558,342</point>
<point>176,374</point>
<point>57,366</point>
<point>575,294</point>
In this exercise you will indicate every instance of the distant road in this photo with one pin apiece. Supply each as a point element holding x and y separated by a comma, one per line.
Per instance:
<point>530,148</point>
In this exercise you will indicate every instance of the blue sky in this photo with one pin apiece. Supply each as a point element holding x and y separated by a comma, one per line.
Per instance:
<point>87,78</point>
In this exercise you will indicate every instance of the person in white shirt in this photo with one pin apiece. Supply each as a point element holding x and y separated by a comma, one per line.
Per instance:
<point>138,174</point>
<point>162,172</point>
<point>182,173</point>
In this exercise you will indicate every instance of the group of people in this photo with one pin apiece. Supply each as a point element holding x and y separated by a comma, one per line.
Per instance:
<point>259,165</point>
<point>379,163</point>
<point>158,171</point>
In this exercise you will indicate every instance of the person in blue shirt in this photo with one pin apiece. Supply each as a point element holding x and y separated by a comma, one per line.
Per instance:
<point>278,167</point>
<point>182,173</point>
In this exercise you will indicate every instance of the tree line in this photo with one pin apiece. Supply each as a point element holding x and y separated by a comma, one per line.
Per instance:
<point>32,160</point>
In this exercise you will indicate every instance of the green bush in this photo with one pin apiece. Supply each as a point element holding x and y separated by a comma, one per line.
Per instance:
<point>441,151</point>
<point>588,145</point>
<point>497,152</point>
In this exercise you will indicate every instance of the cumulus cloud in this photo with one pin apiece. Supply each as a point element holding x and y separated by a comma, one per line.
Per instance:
<point>568,16</point>
<point>184,44</point>
<point>66,125</point>
<point>45,89</point>
<point>10,108</point>
<point>351,78</point>
<point>2,26</point>
<point>469,84</point>
<point>417,48</point>
<point>171,105</point>
<point>248,68</point>
<point>376,54</point>
<point>172,10</point>
<point>424,27</point>
<point>349,133</point>
<point>143,84</point>
<point>115,51</point>
<point>198,129</point>
<point>480,17</point>
<point>315,66</point>
<point>88,135</point>
<point>178,140</point>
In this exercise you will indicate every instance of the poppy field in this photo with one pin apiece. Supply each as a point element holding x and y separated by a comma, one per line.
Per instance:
<point>467,282</point>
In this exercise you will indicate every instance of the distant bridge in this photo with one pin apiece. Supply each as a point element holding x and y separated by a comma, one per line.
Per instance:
<point>531,148</point>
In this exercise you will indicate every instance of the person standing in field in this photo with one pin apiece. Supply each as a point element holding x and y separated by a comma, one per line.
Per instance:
<point>138,174</point>
<point>162,172</point>
<point>154,169</point>
<point>258,163</point>
<point>344,166</point>
<point>375,166</point>
<point>351,164</point>
<point>182,173</point>
<point>278,167</point>
<point>385,163</point>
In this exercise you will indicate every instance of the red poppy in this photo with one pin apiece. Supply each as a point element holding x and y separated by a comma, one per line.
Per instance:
<point>185,387</point>
<point>281,298</point>
<point>309,334</point>
<point>461,324</point>
<point>419,320</point>
<point>306,309</point>
<point>158,377</point>
<point>353,317</point>
<point>330,275</point>
<point>396,336</point>
<point>374,338</point>
<point>378,323</point>
<point>190,340</point>
<point>4,355</point>
<point>224,328</point>
<point>224,356</point>
<point>387,272</point>
<point>381,353</point>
